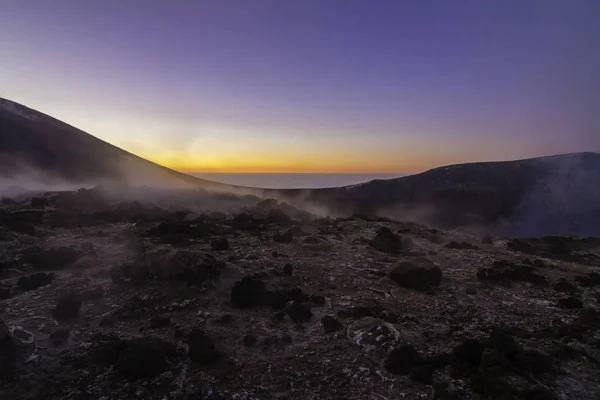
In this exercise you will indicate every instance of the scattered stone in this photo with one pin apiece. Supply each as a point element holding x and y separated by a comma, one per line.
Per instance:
<point>422,374</point>
<point>589,280</point>
<point>250,339</point>
<point>279,316</point>
<point>331,324</point>
<point>107,322</point>
<point>249,292</point>
<point>224,319</point>
<point>471,291</point>
<point>401,360</point>
<point>487,240</point>
<point>34,281</point>
<point>419,273</point>
<point>589,317</point>
<point>565,286</point>
<point>94,294</point>
<point>7,236</point>
<point>68,307</point>
<point>373,335</point>
<point>38,202</point>
<point>285,237</point>
<point>570,302</point>
<point>201,348</point>
<point>386,241</point>
<point>159,321</point>
<point>169,265</point>
<point>219,244</point>
<point>504,272</point>
<point>299,312</point>
<point>461,246</point>
<point>318,300</point>
<point>519,245</point>
<point>50,260</point>
<point>142,359</point>
<point>60,335</point>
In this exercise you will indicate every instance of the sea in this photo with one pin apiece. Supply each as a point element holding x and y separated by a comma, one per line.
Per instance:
<point>293,181</point>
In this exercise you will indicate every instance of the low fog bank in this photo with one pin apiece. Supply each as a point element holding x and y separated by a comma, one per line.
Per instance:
<point>529,198</point>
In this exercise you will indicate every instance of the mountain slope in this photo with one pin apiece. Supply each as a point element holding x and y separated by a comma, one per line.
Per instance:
<point>35,144</point>
<point>533,196</point>
<point>556,194</point>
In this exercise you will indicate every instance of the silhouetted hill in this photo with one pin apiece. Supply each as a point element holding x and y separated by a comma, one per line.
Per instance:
<point>554,194</point>
<point>539,196</point>
<point>37,146</point>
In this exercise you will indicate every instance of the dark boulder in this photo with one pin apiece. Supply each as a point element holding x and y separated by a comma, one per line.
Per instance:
<point>279,218</point>
<point>401,360</point>
<point>9,353</point>
<point>504,272</point>
<point>159,321</point>
<point>67,307</point>
<point>520,245</point>
<point>250,339</point>
<point>318,300</point>
<point>169,265</point>
<point>93,294</point>
<point>285,237</point>
<point>142,359</point>
<point>564,286</point>
<point>244,221</point>
<point>386,241</point>
<point>570,302</point>
<point>487,240</point>
<point>419,273</point>
<point>589,280</point>
<point>60,335</point>
<point>38,202</point>
<point>461,246</point>
<point>34,281</point>
<point>331,324</point>
<point>201,348</point>
<point>299,312</point>
<point>219,244</point>
<point>588,317</point>
<point>50,260</point>
<point>249,292</point>
<point>288,270</point>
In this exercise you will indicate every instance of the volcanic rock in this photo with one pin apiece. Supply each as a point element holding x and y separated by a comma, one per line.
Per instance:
<point>142,359</point>
<point>299,312</point>
<point>401,360</point>
<point>419,273</point>
<point>386,241</point>
<point>285,237</point>
<point>503,272</point>
<point>201,348</point>
<point>34,281</point>
<point>219,244</point>
<point>570,302</point>
<point>331,324</point>
<point>249,292</point>
<point>50,260</point>
<point>68,306</point>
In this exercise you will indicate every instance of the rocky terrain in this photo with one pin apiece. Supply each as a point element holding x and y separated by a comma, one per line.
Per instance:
<point>203,296</point>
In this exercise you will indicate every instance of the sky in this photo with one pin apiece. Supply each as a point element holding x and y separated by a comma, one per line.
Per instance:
<point>370,86</point>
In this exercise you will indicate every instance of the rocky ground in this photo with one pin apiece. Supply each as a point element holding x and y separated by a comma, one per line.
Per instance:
<point>106,299</point>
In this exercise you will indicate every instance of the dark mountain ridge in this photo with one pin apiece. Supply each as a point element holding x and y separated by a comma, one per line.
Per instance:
<point>547,195</point>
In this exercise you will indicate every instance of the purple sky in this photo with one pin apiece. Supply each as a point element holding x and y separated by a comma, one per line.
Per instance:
<point>276,85</point>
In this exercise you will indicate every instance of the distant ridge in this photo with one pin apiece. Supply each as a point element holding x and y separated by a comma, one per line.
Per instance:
<point>557,194</point>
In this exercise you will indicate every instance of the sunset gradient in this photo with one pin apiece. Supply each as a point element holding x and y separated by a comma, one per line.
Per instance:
<point>311,86</point>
